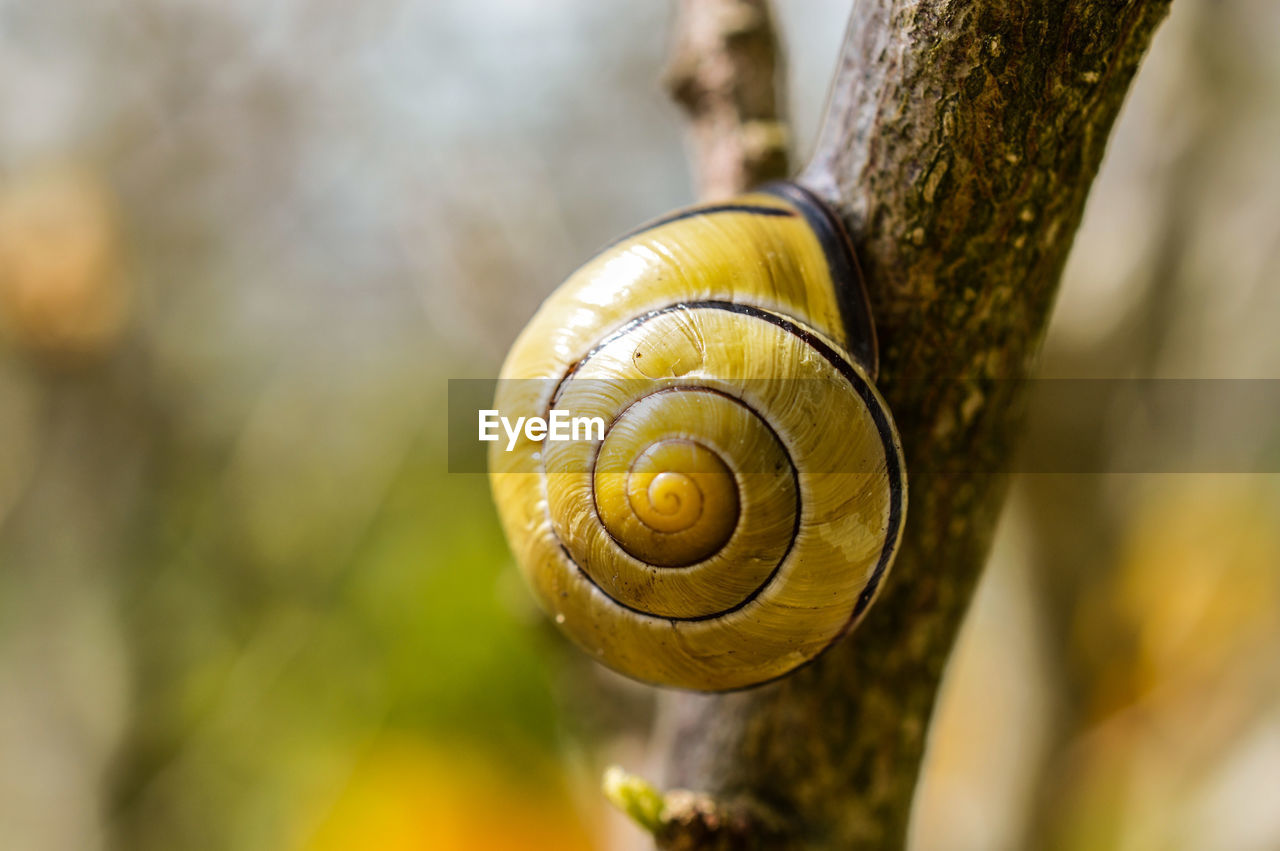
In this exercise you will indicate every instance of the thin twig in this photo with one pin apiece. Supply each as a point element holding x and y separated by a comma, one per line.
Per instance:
<point>724,71</point>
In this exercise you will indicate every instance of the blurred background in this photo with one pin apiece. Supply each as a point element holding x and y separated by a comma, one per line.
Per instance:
<point>243,605</point>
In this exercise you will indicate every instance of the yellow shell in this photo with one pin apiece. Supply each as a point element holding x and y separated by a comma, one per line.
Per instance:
<point>748,495</point>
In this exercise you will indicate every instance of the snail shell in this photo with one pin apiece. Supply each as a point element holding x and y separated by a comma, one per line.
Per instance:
<point>747,498</point>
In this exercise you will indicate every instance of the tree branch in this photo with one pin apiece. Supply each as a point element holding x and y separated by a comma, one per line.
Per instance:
<point>681,820</point>
<point>961,140</point>
<point>724,72</point>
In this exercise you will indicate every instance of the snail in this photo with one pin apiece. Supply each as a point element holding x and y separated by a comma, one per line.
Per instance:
<point>741,504</point>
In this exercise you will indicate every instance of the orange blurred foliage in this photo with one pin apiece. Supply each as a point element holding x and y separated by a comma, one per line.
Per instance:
<point>406,795</point>
<point>1195,582</point>
<point>62,294</point>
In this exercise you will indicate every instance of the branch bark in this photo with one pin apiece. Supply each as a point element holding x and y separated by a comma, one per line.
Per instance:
<point>724,71</point>
<point>959,147</point>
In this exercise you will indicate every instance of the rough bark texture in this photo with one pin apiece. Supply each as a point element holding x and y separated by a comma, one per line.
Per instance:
<point>960,144</point>
<point>724,72</point>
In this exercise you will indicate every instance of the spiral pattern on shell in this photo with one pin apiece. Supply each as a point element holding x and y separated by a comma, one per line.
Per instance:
<point>739,513</point>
